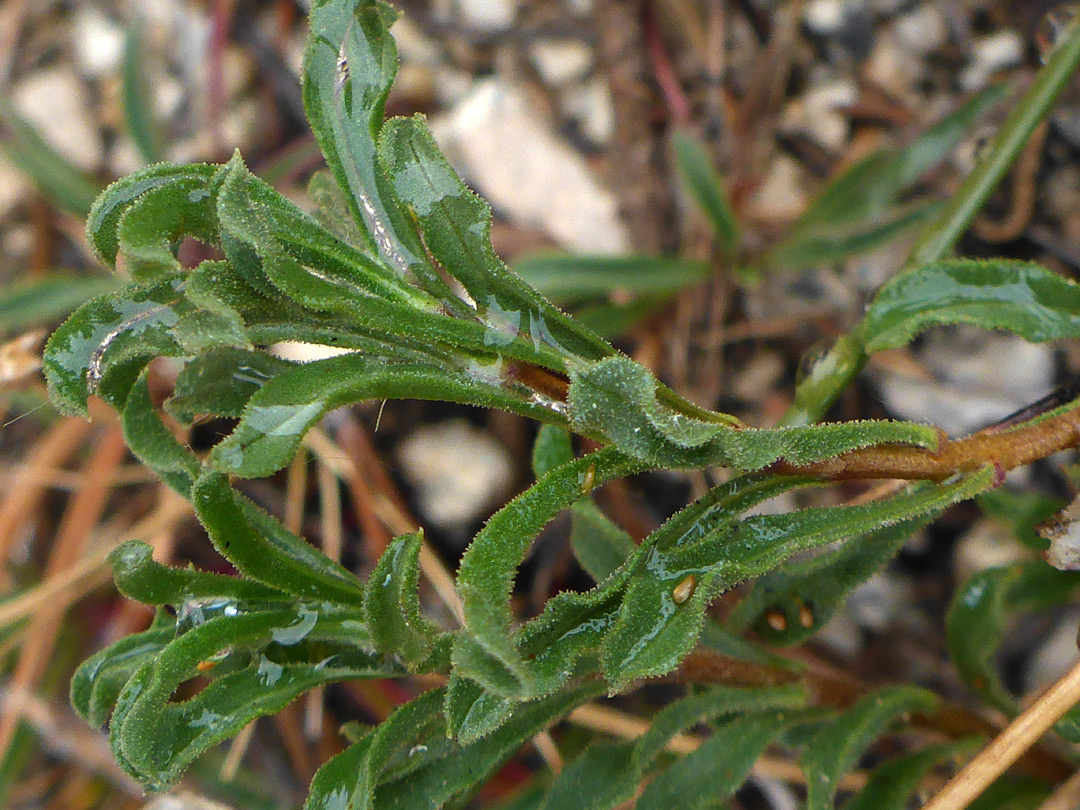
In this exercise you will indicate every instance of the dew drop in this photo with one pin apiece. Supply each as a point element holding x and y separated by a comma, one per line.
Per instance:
<point>684,590</point>
<point>1052,27</point>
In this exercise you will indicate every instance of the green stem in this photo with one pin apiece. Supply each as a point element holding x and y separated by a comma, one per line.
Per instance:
<point>832,374</point>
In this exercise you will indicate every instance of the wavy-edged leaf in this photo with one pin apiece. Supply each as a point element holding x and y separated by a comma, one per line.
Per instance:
<point>807,593</point>
<point>1020,297</point>
<point>150,226</point>
<point>349,66</point>
<point>392,606</point>
<point>278,415</point>
<point>261,548</point>
<point>607,774</point>
<point>103,222</point>
<point>662,612</point>
<point>456,227</point>
<point>835,748</point>
<point>618,398</point>
<point>718,767</point>
<point>409,762</point>
<point>138,576</point>
<point>99,680</point>
<point>977,619</point>
<point>487,651</point>
<point>265,660</point>
<point>891,784</point>
<point>104,345</point>
<point>704,184</point>
<point>568,278</point>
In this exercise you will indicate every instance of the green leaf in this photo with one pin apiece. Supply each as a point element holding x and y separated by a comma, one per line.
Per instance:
<point>718,768</point>
<point>392,605</point>
<point>607,774</point>
<point>105,344</point>
<point>349,66</point>
<point>103,221</point>
<point>456,227</point>
<point>138,576</point>
<point>38,301</point>
<point>65,184</point>
<point>487,651</point>
<point>618,398</point>
<point>220,381</point>
<point>266,659</point>
<point>137,96</point>
<point>551,449</point>
<point>154,444</point>
<point>656,628</point>
<point>978,618</point>
<point>835,748</point>
<point>1021,297</point>
<point>807,593</point>
<point>599,545</point>
<point>697,171</point>
<point>279,414</point>
<point>261,548</point>
<point>568,278</point>
<point>409,762</point>
<point>99,680</point>
<point>890,785</point>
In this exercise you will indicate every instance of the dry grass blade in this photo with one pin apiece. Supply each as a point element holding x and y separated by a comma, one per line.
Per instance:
<point>26,492</point>
<point>80,517</point>
<point>1007,747</point>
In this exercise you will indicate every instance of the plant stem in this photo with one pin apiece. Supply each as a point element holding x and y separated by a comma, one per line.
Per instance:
<point>816,394</point>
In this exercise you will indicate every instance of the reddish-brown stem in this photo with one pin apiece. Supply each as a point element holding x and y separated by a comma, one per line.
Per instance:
<point>1006,449</point>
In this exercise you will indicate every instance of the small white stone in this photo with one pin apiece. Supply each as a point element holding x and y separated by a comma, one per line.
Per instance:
<point>1054,656</point>
<point>560,61</point>
<point>99,42</point>
<point>924,30</point>
<point>459,471</point>
<point>824,17</point>
<point>183,801</point>
<point>890,65</point>
<point>782,194</point>
<point>508,152</point>
<point>591,105</point>
<point>991,53</point>
<point>55,103</point>
<point>1063,532</point>
<point>488,16</point>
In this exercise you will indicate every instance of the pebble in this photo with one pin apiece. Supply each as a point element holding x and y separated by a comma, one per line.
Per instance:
<point>99,42</point>
<point>969,391</point>
<point>183,801</point>
<point>1054,656</point>
<point>560,61</point>
<point>923,31</point>
<point>988,544</point>
<point>991,53</point>
<point>591,105</point>
<point>782,194</point>
<point>458,470</point>
<point>818,112</point>
<point>824,17</point>
<point>488,16</point>
<point>500,144</point>
<point>54,95</point>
